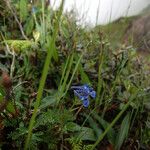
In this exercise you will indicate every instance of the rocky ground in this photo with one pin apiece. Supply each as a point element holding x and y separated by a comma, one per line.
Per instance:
<point>138,31</point>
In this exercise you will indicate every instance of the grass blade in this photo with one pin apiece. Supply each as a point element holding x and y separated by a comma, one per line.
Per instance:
<point>43,78</point>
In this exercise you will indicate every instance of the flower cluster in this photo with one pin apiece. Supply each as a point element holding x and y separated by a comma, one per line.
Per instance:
<point>83,93</point>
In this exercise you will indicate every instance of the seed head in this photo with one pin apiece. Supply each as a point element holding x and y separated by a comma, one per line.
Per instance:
<point>6,80</point>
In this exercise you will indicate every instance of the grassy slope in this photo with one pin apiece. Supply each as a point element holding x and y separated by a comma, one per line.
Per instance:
<point>115,31</point>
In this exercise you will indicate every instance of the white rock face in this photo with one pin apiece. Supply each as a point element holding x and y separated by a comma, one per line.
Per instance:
<point>108,10</point>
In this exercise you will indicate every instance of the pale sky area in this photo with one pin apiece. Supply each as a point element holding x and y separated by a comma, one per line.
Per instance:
<point>108,10</point>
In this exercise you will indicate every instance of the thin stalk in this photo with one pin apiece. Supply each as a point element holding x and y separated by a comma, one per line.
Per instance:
<point>64,70</point>
<point>67,75</point>
<point>99,85</point>
<point>76,67</point>
<point>111,92</point>
<point>97,14</point>
<point>43,19</point>
<point>70,81</point>
<point>43,78</point>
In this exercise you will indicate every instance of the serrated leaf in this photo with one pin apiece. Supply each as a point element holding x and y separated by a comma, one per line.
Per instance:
<point>10,107</point>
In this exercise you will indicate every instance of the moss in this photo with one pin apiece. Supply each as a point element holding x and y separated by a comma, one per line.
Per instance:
<point>21,45</point>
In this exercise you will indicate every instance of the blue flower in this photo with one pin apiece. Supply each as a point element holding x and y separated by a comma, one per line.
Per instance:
<point>34,9</point>
<point>86,102</point>
<point>83,93</point>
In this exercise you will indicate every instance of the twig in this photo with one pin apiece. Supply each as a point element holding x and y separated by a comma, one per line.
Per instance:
<point>12,68</point>
<point>15,16</point>
<point>79,111</point>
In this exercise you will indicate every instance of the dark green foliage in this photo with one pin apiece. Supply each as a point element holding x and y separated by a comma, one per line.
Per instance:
<point>78,56</point>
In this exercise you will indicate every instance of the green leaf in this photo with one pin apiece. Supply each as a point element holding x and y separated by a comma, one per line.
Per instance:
<point>29,26</point>
<point>111,134</point>
<point>23,10</point>
<point>55,54</point>
<point>86,134</point>
<point>10,107</point>
<point>84,77</point>
<point>123,132</point>
<point>94,126</point>
<point>48,101</point>
<point>48,118</point>
<point>52,48</point>
<point>1,97</point>
<point>64,31</point>
<point>72,127</point>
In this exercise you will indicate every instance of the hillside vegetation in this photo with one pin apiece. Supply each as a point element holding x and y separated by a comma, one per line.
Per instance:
<point>133,31</point>
<point>65,87</point>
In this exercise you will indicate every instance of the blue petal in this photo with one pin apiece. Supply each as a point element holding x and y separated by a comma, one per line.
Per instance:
<point>86,103</point>
<point>83,88</point>
<point>81,97</point>
<point>79,89</point>
<point>81,92</point>
<point>86,89</point>
<point>93,94</point>
<point>76,93</point>
<point>76,87</point>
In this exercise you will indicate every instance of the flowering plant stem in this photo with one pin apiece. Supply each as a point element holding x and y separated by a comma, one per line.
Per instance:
<point>43,78</point>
